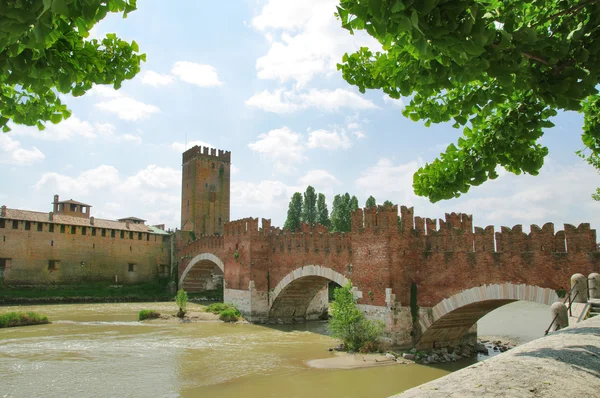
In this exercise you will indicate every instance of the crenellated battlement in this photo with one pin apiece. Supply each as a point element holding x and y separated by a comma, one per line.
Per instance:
<point>310,241</point>
<point>380,217</point>
<point>206,152</point>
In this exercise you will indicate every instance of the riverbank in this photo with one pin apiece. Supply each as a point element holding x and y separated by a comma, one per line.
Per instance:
<point>565,363</point>
<point>92,292</point>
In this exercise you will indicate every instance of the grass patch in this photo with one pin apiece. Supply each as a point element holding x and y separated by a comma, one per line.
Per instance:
<point>13,319</point>
<point>227,312</point>
<point>148,314</point>
<point>230,315</point>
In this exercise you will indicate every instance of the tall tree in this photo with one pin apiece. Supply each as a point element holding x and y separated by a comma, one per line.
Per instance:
<point>309,206</point>
<point>322,212</point>
<point>44,51</point>
<point>336,213</point>
<point>500,69</point>
<point>294,214</point>
<point>388,203</point>
<point>370,202</point>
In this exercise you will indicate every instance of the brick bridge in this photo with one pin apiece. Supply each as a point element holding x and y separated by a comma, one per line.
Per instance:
<point>457,273</point>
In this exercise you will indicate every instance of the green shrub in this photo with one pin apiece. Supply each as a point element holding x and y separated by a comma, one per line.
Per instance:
<point>13,319</point>
<point>181,300</point>
<point>230,315</point>
<point>148,314</point>
<point>349,324</point>
<point>217,308</point>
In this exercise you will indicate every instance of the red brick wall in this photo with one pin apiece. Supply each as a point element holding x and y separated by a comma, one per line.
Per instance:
<point>379,254</point>
<point>102,257</point>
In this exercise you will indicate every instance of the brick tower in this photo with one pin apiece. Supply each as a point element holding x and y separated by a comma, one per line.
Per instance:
<point>205,190</point>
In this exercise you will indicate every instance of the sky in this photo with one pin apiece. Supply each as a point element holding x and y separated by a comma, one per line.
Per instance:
<point>259,79</point>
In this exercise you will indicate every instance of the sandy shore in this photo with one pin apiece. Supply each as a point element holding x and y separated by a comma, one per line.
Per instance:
<point>344,360</point>
<point>191,316</point>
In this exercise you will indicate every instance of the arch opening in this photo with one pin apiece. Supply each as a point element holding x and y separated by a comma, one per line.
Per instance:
<point>304,294</point>
<point>203,277</point>
<point>451,320</point>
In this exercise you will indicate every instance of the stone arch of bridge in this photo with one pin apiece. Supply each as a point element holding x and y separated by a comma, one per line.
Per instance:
<point>295,296</point>
<point>450,319</point>
<point>204,272</point>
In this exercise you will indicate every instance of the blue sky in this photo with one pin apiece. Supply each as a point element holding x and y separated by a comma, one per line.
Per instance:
<point>258,78</point>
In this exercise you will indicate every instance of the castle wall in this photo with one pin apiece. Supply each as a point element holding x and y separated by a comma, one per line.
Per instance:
<point>79,257</point>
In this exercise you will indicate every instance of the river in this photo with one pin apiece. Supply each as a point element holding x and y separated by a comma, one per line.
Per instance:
<point>99,350</point>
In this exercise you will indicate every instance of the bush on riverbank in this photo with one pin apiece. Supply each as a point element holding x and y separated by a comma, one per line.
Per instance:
<point>148,314</point>
<point>230,315</point>
<point>227,312</point>
<point>349,323</point>
<point>13,319</point>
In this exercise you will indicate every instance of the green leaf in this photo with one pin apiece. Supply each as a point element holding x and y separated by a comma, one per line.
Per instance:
<point>60,7</point>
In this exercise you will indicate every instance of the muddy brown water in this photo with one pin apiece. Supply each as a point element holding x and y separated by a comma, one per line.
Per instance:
<point>100,350</point>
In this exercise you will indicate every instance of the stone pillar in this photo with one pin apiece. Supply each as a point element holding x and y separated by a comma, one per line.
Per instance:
<point>594,285</point>
<point>559,313</point>
<point>580,292</point>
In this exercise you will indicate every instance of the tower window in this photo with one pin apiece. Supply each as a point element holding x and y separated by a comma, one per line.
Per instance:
<point>40,227</point>
<point>213,166</point>
<point>219,220</point>
<point>27,225</point>
<point>50,227</point>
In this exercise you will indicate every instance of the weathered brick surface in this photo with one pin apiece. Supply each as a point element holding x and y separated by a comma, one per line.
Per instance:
<point>81,257</point>
<point>378,254</point>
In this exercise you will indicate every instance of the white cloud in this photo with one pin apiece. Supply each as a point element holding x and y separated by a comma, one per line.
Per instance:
<point>558,194</point>
<point>127,108</point>
<point>101,177</point>
<point>198,74</point>
<point>273,102</point>
<point>104,91</point>
<point>234,169</point>
<point>359,134</point>
<point>353,126</point>
<point>153,177</point>
<point>65,130</point>
<point>265,197</point>
<point>156,79</point>
<point>282,146</point>
<point>11,152</point>
<point>328,140</point>
<point>396,102</point>
<point>319,179</point>
<point>305,39</point>
<point>151,193</point>
<point>181,146</point>
<point>281,101</point>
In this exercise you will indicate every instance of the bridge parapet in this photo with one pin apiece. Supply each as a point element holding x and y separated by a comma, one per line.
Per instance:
<point>310,241</point>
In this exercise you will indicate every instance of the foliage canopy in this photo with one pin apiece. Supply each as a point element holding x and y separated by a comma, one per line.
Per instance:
<point>499,69</point>
<point>44,51</point>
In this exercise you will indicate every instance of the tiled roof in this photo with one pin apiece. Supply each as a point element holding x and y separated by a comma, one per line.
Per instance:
<point>36,216</point>
<point>130,218</point>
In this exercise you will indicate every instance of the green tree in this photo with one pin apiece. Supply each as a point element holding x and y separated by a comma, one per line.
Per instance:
<point>294,214</point>
<point>181,301</point>
<point>322,212</point>
<point>499,69</point>
<point>43,52</point>
<point>348,322</point>
<point>343,205</point>
<point>336,214</point>
<point>309,206</point>
<point>388,203</point>
<point>370,202</point>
